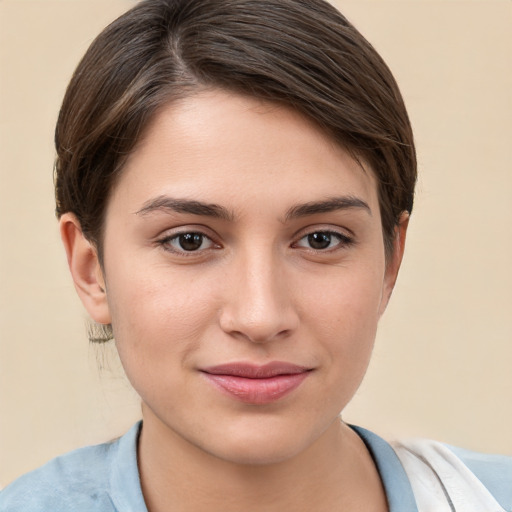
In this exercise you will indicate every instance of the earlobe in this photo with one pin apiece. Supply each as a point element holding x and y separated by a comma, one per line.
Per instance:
<point>85,269</point>
<point>395,259</point>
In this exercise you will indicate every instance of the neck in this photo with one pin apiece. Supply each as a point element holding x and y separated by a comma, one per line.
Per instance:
<point>335,473</point>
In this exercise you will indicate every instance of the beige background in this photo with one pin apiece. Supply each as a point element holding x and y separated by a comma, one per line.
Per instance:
<point>442,364</point>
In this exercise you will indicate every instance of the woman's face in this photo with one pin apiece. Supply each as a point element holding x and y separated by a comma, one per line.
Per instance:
<point>245,275</point>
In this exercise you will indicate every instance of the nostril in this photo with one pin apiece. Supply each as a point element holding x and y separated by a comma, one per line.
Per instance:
<point>262,330</point>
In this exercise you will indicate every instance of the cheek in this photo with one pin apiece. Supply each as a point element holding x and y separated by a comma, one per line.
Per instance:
<point>344,318</point>
<point>346,300</point>
<point>154,315</point>
<point>156,330</point>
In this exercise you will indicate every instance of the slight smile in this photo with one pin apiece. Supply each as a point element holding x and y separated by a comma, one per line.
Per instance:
<point>255,384</point>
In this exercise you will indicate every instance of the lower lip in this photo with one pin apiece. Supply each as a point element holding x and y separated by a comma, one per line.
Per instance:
<point>257,391</point>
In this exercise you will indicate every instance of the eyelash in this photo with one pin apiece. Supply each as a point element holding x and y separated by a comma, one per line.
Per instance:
<point>343,241</point>
<point>167,243</point>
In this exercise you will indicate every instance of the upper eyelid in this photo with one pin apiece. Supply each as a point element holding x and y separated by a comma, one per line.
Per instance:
<point>171,233</point>
<point>341,236</point>
<point>165,243</point>
<point>172,236</point>
<point>316,228</point>
<point>180,230</point>
<point>344,240</point>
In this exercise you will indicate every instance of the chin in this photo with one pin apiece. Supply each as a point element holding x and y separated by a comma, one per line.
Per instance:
<point>254,453</point>
<point>261,445</point>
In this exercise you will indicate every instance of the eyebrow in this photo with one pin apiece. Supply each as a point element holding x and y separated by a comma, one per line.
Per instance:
<point>169,204</point>
<point>329,205</point>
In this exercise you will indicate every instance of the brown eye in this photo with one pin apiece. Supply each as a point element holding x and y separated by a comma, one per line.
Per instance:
<point>319,240</point>
<point>323,240</point>
<point>188,242</point>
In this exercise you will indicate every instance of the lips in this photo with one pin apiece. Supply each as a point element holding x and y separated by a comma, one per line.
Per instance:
<point>255,384</point>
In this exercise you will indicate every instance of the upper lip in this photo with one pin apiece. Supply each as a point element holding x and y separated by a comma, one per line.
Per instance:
<point>254,371</point>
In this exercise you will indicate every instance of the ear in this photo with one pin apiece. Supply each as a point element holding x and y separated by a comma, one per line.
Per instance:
<point>395,260</point>
<point>85,269</point>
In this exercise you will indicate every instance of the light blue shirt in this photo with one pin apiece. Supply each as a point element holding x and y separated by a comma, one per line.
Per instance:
<point>105,478</point>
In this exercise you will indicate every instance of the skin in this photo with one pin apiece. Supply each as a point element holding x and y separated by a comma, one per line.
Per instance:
<point>254,290</point>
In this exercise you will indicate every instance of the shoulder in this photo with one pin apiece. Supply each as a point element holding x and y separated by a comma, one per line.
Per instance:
<point>494,471</point>
<point>103,478</point>
<point>76,481</point>
<point>459,475</point>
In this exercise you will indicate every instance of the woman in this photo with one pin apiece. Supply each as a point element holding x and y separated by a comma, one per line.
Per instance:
<point>234,182</point>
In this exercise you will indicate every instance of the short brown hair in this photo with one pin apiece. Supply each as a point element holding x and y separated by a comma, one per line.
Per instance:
<point>301,53</point>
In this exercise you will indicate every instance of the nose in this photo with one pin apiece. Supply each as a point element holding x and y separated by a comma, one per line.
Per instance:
<point>258,303</point>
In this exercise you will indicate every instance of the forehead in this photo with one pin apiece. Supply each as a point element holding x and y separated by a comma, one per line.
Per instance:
<point>226,146</point>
